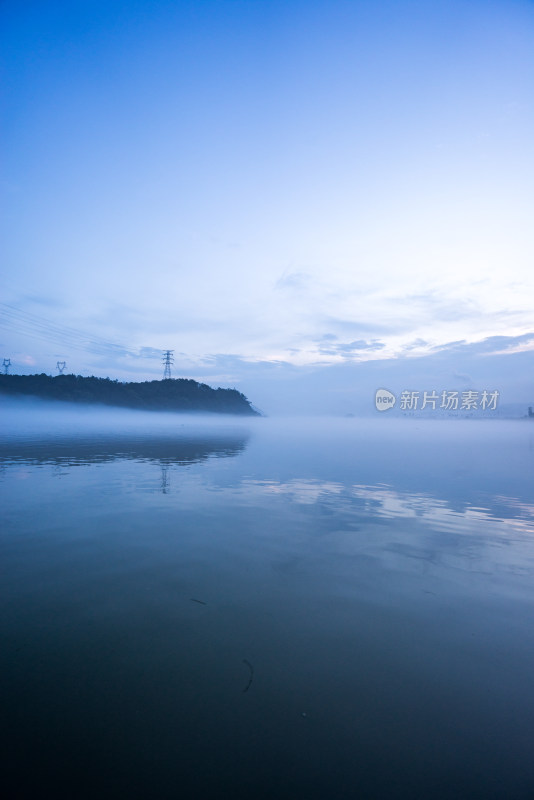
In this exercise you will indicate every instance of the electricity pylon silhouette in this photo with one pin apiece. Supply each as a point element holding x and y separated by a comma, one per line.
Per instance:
<point>168,359</point>
<point>7,364</point>
<point>61,366</point>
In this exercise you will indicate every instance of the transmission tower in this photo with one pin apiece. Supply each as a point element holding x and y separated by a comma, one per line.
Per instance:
<point>168,359</point>
<point>7,364</point>
<point>61,366</point>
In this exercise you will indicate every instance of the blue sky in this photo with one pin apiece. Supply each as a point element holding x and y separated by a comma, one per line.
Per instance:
<point>291,195</point>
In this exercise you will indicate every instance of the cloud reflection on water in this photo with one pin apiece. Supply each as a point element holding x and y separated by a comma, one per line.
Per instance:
<point>384,502</point>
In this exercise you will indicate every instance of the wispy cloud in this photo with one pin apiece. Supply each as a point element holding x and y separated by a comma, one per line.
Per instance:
<point>336,348</point>
<point>380,325</point>
<point>439,307</point>
<point>298,279</point>
<point>416,344</point>
<point>491,345</point>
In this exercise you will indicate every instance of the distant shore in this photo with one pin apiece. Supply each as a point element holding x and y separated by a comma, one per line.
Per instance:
<point>179,394</point>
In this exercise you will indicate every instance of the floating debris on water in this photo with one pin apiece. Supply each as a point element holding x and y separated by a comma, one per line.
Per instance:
<point>251,668</point>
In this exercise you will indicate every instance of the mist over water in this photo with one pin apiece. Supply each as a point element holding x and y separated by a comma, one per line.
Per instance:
<point>265,607</point>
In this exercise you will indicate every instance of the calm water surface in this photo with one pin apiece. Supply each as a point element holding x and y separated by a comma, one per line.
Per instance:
<point>263,609</point>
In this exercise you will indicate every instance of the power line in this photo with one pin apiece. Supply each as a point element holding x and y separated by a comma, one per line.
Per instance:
<point>33,325</point>
<point>37,327</point>
<point>28,324</point>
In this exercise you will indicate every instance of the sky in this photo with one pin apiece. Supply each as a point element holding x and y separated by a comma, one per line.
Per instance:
<point>304,200</point>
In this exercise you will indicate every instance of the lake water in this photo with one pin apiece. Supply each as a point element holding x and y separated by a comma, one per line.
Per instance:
<point>266,608</point>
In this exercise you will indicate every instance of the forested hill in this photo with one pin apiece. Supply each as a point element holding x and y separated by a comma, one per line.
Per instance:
<point>178,394</point>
